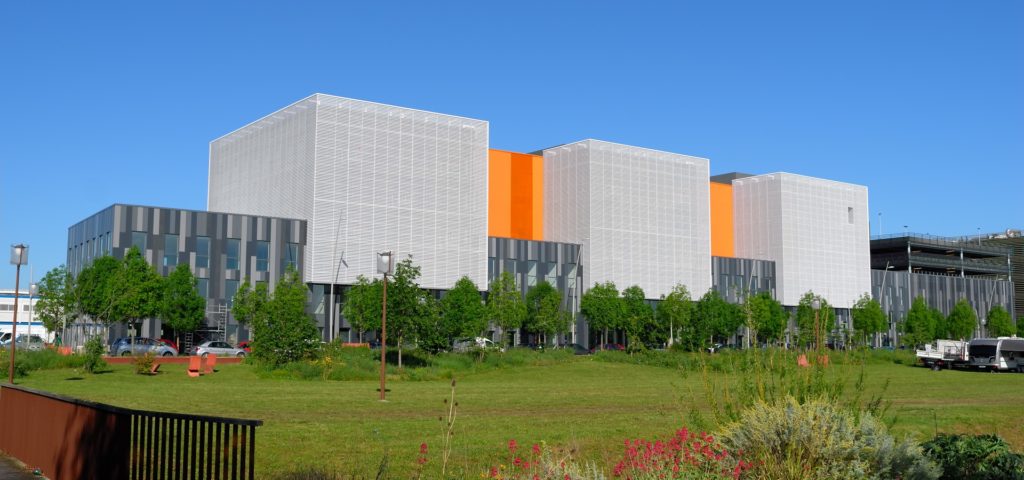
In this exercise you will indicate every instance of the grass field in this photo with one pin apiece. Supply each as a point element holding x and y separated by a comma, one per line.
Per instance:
<point>581,403</point>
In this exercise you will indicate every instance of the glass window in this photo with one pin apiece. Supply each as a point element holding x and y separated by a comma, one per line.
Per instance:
<point>139,241</point>
<point>531,273</point>
<point>99,245</point>
<point>291,256</point>
<point>107,247</point>
<point>231,249</point>
<point>203,286</point>
<point>262,256</point>
<point>170,250</point>
<point>230,289</point>
<point>202,252</point>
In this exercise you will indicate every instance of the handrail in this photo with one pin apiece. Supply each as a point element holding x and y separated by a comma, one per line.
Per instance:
<point>131,411</point>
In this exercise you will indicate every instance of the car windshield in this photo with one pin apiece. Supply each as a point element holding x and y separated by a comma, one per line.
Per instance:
<point>983,350</point>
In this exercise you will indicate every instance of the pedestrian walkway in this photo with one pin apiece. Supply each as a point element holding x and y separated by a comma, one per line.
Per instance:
<point>9,470</point>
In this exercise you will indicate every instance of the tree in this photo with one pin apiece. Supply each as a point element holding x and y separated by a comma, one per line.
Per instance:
<point>56,306</point>
<point>505,305</point>
<point>940,324</point>
<point>182,308</point>
<point>767,316</point>
<point>95,289</point>
<point>249,306</point>
<point>639,319</point>
<point>409,306</point>
<point>675,312</point>
<point>288,332</point>
<point>962,320</point>
<point>462,314</point>
<point>805,321</point>
<point>362,305</point>
<point>919,327</point>
<point>544,313</point>
<point>603,308</point>
<point>999,323</point>
<point>868,317</point>
<point>715,317</point>
<point>138,289</point>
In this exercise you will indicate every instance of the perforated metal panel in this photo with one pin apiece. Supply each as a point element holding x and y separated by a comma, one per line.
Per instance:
<point>815,230</point>
<point>642,215</point>
<point>369,178</point>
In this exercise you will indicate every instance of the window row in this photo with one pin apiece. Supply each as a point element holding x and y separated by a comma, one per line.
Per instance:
<point>9,307</point>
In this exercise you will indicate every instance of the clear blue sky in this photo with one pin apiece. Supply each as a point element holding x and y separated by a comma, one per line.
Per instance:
<point>922,101</point>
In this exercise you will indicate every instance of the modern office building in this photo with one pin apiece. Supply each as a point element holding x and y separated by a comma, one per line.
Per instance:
<point>815,230</point>
<point>221,249</point>
<point>327,183</point>
<point>641,215</point>
<point>368,178</point>
<point>28,323</point>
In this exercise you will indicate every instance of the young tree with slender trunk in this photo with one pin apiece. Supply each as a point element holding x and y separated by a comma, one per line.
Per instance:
<point>505,305</point>
<point>675,314</point>
<point>545,315</point>
<point>182,308</point>
<point>56,306</point>
<point>603,308</point>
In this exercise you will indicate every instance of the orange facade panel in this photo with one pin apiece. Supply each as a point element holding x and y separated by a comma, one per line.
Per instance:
<point>516,196</point>
<point>722,243</point>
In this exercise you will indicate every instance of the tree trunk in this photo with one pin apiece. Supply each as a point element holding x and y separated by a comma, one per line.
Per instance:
<point>399,352</point>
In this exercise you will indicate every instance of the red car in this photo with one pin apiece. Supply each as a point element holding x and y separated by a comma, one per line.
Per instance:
<point>169,343</point>
<point>245,346</point>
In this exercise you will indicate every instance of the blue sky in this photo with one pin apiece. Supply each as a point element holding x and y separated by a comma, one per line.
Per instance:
<point>922,101</point>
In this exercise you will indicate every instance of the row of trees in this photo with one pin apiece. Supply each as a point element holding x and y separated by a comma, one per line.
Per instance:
<point>925,324</point>
<point>120,291</point>
<point>414,315</point>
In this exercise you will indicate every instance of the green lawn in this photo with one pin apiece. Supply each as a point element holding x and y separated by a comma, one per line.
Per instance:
<point>584,404</point>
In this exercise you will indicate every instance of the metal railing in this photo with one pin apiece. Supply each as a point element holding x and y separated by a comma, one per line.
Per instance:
<point>68,438</point>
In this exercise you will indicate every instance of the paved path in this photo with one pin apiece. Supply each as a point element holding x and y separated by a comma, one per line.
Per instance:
<point>10,471</point>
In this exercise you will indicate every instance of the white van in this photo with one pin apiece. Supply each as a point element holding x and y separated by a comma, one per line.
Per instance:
<point>1002,354</point>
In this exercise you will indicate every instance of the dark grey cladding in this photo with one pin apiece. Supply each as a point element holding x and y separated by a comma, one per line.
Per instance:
<point>202,241</point>
<point>939,291</point>
<point>735,278</point>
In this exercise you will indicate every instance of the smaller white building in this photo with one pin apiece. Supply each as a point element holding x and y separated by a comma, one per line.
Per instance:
<point>815,230</point>
<point>26,314</point>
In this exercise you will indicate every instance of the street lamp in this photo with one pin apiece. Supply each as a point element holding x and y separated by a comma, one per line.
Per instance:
<point>385,265</point>
<point>816,305</point>
<point>19,257</point>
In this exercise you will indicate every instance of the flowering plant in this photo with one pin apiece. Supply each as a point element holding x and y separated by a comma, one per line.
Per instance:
<point>687,455</point>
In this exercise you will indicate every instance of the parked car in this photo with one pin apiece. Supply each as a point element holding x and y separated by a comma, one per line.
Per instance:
<point>5,338</point>
<point>26,343</point>
<point>169,343</point>
<point>125,346</point>
<point>465,344</point>
<point>610,346</point>
<point>245,346</point>
<point>218,348</point>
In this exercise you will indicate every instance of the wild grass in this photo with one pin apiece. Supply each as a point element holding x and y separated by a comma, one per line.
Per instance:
<point>587,405</point>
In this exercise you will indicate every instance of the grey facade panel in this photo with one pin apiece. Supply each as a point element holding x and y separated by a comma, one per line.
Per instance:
<point>735,278</point>
<point>896,290</point>
<point>114,228</point>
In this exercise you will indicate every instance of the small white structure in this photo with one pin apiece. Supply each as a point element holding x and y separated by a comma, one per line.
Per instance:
<point>26,314</point>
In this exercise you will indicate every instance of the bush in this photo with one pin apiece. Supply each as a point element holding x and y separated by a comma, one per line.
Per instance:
<point>981,457</point>
<point>144,363</point>
<point>94,350</point>
<point>686,455</point>
<point>817,440</point>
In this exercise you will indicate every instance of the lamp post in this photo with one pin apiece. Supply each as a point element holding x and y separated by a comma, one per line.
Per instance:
<point>816,305</point>
<point>19,257</point>
<point>384,267</point>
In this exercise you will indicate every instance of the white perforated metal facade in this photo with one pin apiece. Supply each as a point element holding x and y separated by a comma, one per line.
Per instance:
<point>815,230</point>
<point>369,178</point>
<point>641,215</point>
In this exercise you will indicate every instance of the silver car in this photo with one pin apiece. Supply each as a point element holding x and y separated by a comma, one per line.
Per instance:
<point>221,349</point>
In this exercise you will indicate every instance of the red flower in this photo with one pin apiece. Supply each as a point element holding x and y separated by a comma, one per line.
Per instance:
<point>423,448</point>
<point>536,449</point>
<point>512,445</point>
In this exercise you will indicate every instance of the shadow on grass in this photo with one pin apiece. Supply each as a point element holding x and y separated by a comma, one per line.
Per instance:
<point>75,378</point>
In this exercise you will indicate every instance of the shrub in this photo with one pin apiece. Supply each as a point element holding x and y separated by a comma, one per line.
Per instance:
<point>94,349</point>
<point>542,463</point>
<point>981,457</point>
<point>144,363</point>
<point>817,440</point>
